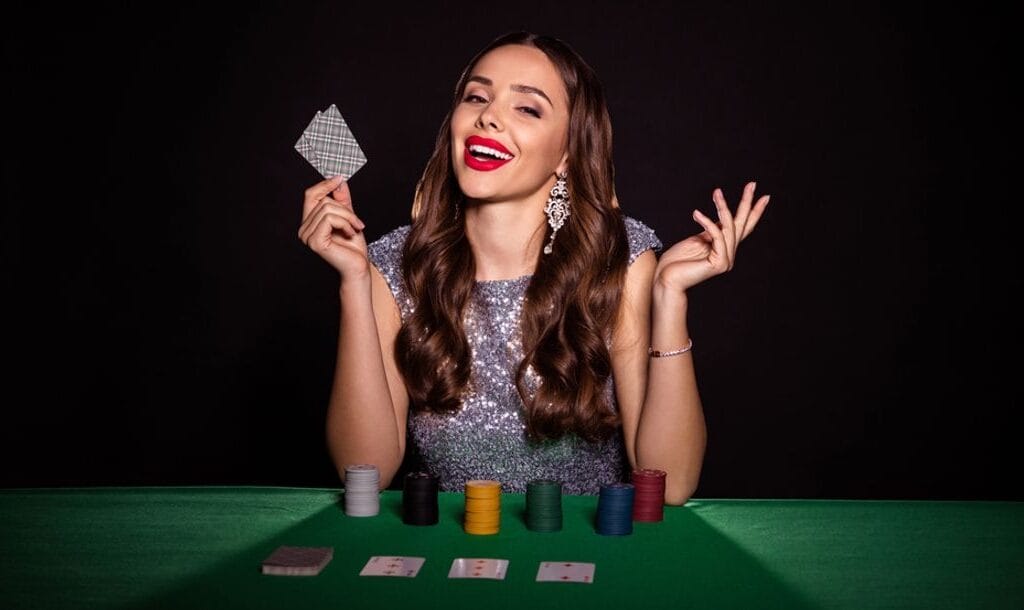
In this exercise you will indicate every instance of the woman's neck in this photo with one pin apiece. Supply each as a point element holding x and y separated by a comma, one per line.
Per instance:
<point>505,238</point>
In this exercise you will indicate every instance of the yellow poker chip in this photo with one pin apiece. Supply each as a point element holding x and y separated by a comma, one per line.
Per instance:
<point>481,513</point>
<point>483,489</point>
<point>483,507</point>
<point>483,483</point>
<point>473,528</point>
<point>481,518</point>
<point>482,504</point>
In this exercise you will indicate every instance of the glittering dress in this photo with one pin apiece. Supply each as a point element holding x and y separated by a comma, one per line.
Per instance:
<point>486,437</point>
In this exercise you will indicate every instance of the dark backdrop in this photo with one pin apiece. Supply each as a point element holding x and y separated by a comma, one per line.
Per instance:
<point>164,325</point>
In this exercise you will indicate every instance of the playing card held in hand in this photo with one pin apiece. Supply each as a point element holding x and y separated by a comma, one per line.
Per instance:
<point>329,146</point>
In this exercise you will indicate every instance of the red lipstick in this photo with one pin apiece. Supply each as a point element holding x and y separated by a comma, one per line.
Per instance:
<point>485,163</point>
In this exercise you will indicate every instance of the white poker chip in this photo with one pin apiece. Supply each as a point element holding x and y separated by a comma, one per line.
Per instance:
<point>362,490</point>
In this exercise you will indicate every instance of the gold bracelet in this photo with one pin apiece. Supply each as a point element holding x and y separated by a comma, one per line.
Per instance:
<point>653,353</point>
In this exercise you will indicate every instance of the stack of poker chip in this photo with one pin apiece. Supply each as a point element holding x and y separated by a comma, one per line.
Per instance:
<point>483,507</point>
<point>419,499</point>
<point>615,509</point>
<point>362,490</point>
<point>649,503</point>
<point>544,505</point>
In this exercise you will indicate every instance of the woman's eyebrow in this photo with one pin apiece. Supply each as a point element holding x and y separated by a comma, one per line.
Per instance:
<point>483,80</point>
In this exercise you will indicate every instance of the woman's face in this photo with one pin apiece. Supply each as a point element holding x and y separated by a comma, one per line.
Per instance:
<point>509,132</point>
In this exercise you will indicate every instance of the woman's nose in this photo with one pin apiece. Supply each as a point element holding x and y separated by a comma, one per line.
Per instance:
<point>488,118</point>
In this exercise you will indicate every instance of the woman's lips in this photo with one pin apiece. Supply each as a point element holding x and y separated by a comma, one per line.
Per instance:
<point>485,164</point>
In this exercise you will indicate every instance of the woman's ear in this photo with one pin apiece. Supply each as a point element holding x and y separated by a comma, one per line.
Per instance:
<point>563,165</point>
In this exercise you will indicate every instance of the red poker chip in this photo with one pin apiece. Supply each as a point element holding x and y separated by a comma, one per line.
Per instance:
<point>649,485</point>
<point>648,506</point>
<point>649,472</point>
<point>656,496</point>
<point>649,498</point>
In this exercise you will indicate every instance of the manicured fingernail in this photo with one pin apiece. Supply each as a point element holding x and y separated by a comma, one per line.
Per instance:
<point>767,198</point>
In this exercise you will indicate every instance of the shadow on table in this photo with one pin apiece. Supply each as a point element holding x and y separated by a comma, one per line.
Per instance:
<point>682,563</point>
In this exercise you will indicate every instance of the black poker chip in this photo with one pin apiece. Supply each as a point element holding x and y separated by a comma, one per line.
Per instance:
<point>419,499</point>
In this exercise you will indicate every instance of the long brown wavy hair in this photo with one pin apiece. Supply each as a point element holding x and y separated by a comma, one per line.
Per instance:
<point>573,296</point>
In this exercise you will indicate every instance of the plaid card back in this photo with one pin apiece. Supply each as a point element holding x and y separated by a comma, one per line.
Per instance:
<point>329,146</point>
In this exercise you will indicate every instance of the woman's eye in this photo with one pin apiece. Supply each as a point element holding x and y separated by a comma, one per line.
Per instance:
<point>529,110</point>
<point>472,97</point>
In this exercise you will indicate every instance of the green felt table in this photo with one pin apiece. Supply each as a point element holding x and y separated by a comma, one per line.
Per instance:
<point>201,547</point>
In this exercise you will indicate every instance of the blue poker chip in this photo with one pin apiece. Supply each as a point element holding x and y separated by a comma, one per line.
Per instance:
<point>615,509</point>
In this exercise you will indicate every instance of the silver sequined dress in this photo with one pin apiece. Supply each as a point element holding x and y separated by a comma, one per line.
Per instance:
<point>486,437</point>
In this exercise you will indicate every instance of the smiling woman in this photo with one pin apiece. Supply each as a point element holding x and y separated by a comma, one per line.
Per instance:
<point>521,327</point>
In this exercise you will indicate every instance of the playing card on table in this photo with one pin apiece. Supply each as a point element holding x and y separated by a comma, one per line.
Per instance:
<point>297,560</point>
<point>478,568</point>
<point>392,566</point>
<point>329,146</point>
<point>566,571</point>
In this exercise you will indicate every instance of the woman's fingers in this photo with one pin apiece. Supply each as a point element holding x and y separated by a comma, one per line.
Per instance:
<point>318,191</point>
<point>336,215</point>
<point>755,215</point>
<point>726,222</point>
<point>748,212</point>
<point>743,209</point>
<point>324,233</point>
<point>717,258</point>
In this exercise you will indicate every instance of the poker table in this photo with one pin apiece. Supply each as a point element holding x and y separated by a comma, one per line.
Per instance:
<point>202,547</point>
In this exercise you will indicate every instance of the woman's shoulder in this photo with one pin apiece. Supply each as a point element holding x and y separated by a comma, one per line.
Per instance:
<point>385,252</point>
<point>641,238</point>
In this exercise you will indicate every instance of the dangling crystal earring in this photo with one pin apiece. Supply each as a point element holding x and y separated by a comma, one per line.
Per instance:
<point>557,208</point>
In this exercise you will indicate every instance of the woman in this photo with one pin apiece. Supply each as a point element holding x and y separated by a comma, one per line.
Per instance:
<point>521,327</point>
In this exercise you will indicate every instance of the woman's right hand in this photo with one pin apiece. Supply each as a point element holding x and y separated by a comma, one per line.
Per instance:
<point>331,228</point>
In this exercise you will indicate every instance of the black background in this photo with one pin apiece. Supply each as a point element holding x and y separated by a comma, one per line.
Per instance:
<point>164,325</point>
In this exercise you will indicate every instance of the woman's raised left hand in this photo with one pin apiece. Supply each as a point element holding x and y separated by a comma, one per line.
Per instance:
<point>713,251</point>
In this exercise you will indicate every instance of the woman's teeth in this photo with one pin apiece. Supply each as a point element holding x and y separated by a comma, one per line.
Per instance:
<point>485,151</point>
